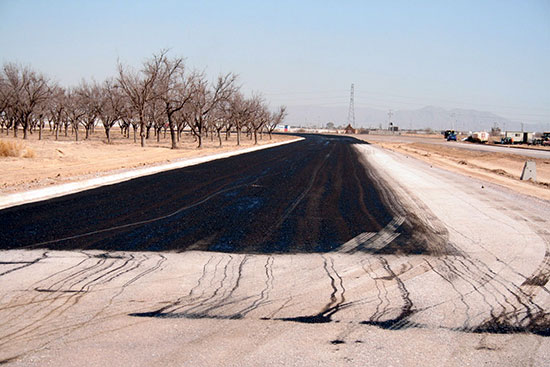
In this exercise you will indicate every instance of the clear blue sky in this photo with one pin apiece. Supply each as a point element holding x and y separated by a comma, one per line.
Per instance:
<point>485,55</point>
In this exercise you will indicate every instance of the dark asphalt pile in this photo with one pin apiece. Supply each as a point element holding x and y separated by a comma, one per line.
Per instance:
<point>310,196</point>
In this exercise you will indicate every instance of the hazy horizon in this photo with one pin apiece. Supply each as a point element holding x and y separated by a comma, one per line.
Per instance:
<point>490,56</point>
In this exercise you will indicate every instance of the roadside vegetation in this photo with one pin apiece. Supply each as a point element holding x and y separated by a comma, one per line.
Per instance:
<point>15,149</point>
<point>162,97</point>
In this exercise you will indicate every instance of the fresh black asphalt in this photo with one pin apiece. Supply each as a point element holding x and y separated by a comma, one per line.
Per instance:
<point>308,196</point>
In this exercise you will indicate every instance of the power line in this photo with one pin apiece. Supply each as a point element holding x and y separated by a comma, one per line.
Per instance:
<point>351,111</point>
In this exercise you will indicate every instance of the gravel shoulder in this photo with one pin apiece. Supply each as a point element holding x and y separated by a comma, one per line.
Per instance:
<point>499,168</point>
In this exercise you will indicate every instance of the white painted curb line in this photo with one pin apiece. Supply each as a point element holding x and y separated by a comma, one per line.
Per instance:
<point>45,193</point>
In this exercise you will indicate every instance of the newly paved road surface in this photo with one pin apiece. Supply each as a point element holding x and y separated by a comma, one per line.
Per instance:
<point>309,196</point>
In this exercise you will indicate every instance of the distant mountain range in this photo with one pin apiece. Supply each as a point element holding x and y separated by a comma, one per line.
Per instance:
<point>436,118</point>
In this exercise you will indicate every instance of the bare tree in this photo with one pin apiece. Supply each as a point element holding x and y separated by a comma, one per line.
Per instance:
<point>57,108</point>
<point>219,119</point>
<point>139,87</point>
<point>29,89</point>
<point>5,101</point>
<point>111,106</point>
<point>205,99</point>
<point>275,119</point>
<point>155,117</point>
<point>259,116</point>
<point>75,110</point>
<point>238,114</point>
<point>89,97</point>
<point>175,92</point>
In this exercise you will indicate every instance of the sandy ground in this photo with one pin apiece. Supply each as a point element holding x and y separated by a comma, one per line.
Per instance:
<point>62,161</point>
<point>501,168</point>
<point>485,301</point>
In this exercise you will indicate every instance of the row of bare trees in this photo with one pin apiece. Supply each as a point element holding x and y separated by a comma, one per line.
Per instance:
<point>162,95</point>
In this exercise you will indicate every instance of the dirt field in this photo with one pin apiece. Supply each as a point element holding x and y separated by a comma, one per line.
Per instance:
<point>62,161</point>
<point>500,168</point>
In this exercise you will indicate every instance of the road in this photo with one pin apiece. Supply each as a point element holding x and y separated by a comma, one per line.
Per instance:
<point>298,198</point>
<point>323,252</point>
<point>506,149</point>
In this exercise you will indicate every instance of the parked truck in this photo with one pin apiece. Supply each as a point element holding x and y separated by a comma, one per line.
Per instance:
<point>480,137</point>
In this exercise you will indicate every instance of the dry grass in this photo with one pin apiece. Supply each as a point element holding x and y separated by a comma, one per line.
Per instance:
<point>15,149</point>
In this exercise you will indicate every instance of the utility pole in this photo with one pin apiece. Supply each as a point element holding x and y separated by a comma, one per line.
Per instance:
<point>390,114</point>
<point>351,111</point>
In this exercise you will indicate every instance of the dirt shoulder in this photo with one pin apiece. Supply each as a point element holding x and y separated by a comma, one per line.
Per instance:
<point>499,168</point>
<point>54,162</point>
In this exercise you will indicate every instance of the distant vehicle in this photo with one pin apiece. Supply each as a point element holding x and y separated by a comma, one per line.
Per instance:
<point>451,137</point>
<point>447,133</point>
<point>506,140</point>
<point>480,137</point>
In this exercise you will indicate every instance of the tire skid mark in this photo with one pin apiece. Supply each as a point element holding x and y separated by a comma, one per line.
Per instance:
<point>25,264</point>
<point>227,296</point>
<point>536,322</point>
<point>45,301</point>
<point>379,284</point>
<point>478,282</point>
<point>178,303</point>
<point>263,297</point>
<point>63,329</point>
<point>200,310</point>
<point>519,295</point>
<point>336,303</point>
<point>59,310</point>
<point>15,302</point>
<point>460,295</point>
<point>281,307</point>
<point>402,320</point>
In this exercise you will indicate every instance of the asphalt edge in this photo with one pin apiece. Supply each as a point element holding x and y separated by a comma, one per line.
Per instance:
<point>45,193</point>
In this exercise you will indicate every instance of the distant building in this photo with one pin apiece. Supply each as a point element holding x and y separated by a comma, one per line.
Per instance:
<point>519,136</point>
<point>350,130</point>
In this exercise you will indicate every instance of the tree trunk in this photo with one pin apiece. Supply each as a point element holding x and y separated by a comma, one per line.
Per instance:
<point>158,135</point>
<point>108,133</point>
<point>40,130</point>
<point>76,133</point>
<point>220,137</point>
<point>238,136</point>
<point>199,138</point>
<point>174,137</point>
<point>135,137</point>
<point>56,127</point>
<point>255,137</point>
<point>142,134</point>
